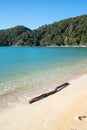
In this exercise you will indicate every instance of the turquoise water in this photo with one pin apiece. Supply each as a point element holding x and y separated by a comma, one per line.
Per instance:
<point>27,71</point>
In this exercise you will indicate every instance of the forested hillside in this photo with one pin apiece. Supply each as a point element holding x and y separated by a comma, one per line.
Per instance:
<point>72,31</point>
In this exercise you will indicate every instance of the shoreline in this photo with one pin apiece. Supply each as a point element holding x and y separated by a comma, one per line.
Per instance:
<point>68,46</point>
<point>19,98</point>
<point>16,98</point>
<point>85,45</point>
<point>56,112</point>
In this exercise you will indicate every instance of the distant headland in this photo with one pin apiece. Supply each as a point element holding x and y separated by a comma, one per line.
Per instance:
<point>68,32</point>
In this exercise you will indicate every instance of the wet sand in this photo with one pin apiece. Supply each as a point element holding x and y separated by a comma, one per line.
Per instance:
<point>64,110</point>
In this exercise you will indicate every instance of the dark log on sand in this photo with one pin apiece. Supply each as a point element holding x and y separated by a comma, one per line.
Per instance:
<point>57,89</point>
<point>82,117</point>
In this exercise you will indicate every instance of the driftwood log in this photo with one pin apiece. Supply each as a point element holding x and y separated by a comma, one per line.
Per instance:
<point>57,89</point>
<point>82,117</point>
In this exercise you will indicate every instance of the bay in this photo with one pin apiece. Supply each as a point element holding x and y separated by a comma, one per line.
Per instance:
<point>28,71</point>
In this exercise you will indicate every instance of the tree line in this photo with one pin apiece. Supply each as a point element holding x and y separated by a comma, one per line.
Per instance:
<point>71,31</point>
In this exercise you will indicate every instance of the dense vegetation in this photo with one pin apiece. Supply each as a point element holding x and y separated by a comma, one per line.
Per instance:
<point>72,31</point>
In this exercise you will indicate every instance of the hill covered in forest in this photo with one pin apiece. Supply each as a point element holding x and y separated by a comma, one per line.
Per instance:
<point>71,31</point>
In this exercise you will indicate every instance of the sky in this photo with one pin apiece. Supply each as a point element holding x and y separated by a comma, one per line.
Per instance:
<point>35,13</point>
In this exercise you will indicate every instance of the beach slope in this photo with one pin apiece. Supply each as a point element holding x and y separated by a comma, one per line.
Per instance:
<point>65,110</point>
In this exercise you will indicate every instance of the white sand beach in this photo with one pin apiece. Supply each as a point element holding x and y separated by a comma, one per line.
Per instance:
<point>64,110</point>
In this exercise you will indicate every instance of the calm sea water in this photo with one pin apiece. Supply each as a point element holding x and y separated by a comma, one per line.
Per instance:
<point>27,71</point>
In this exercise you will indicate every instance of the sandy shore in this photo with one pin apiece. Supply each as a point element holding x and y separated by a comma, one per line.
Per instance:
<point>65,110</point>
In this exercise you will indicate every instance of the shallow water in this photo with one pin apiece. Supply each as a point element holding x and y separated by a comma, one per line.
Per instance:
<point>28,71</point>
